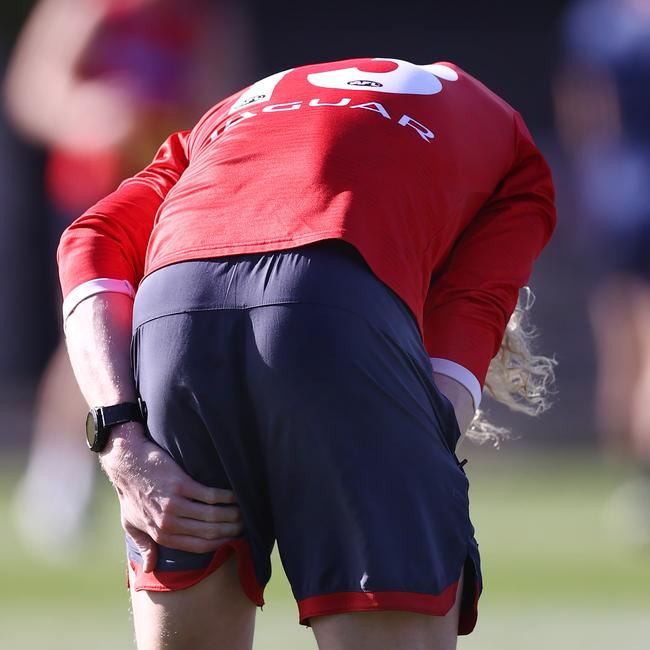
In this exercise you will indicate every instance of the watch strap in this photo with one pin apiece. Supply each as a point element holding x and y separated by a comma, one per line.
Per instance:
<point>120,413</point>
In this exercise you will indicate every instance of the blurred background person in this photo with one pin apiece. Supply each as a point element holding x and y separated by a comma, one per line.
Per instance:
<point>603,115</point>
<point>99,84</point>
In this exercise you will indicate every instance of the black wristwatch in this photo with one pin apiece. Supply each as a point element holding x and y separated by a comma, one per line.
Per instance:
<point>100,420</point>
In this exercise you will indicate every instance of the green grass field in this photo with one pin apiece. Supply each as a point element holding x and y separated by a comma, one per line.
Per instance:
<point>555,576</point>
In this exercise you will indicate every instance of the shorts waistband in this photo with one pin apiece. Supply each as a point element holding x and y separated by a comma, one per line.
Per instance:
<point>331,273</point>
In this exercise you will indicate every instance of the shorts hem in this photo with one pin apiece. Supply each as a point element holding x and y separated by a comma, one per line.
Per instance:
<point>162,581</point>
<point>367,601</point>
<point>404,601</point>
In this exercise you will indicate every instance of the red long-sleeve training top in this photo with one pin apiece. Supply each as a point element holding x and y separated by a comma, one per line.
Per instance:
<point>432,177</point>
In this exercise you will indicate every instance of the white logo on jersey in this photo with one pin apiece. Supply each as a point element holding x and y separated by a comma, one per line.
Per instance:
<point>406,79</point>
<point>259,92</point>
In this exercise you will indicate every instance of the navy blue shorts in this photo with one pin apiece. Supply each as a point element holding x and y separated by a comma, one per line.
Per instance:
<point>300,381</point>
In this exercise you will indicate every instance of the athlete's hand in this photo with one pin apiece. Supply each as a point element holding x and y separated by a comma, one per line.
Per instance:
<point>160,503</point>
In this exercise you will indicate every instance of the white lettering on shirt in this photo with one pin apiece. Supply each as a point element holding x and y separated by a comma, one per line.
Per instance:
<point>378,108</point>
<point>342,102</point>
<point>230,123</point>
<point>276,108</point>
<point>404,78</point>
<point>426,134</point>
<point>406,120</point>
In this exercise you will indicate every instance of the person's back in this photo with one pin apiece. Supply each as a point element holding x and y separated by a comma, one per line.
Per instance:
<point>362,149</point>
<point>395,158</point>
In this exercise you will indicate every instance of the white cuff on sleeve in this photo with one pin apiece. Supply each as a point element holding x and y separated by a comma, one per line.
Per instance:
<point>93,287</point>
<point>461,375</point>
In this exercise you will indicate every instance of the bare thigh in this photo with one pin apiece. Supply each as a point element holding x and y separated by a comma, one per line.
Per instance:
<point>388,630</point>
<point>213,614</point>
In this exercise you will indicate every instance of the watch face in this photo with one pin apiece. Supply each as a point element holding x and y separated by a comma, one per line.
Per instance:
<point>100,420</point>
<point>91,428</point>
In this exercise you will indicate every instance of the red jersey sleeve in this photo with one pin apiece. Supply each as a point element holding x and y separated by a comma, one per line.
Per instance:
<point>472,296</point>
<point>110,239</point>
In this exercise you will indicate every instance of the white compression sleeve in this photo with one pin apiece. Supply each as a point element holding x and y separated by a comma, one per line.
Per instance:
<point>461,374</point>
<point>91,288</point>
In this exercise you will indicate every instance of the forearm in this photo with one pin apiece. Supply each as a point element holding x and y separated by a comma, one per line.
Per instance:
<point>460,398</point>
<point>159,502</point>
<point>98,336</point>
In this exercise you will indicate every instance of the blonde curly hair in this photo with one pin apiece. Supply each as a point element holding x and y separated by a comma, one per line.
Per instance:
<point>517,378</point>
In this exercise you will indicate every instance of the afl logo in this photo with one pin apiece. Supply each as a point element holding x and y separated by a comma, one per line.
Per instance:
<point>365,82</point>
<point>250,100</point>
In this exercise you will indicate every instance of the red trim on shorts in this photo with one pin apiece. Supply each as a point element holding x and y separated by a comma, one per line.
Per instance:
<point>403,601</point>
<point>367,601</point>
<point>175,580</point>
